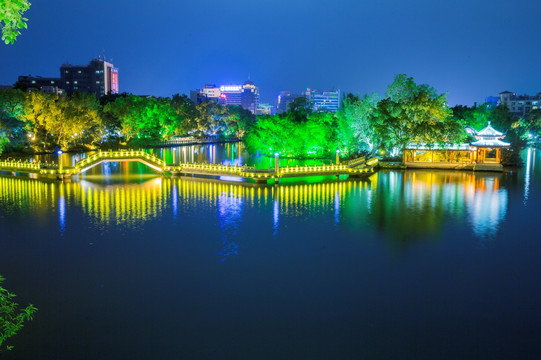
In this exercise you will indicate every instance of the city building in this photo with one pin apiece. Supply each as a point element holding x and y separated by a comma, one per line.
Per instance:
<point>45,84</point>
<point>520,105</point>
<point>324,100</point>
<point>265,109</point>
<point>320,100</point>
<point>98,77</point>
<point>246,95</point>
<point>210,92</point>
<point>492,101</point>
<point>284,99</point>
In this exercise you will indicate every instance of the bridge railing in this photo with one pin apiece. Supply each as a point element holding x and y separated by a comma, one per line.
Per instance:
<point>212,167</point>
<point>127,154</point>
<point>26,165</point>
<point>196,141</point>
<point>321,169</point>
<point>356,162</point>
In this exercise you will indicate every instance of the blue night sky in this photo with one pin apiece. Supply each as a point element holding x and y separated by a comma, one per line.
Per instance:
<point>468,48</point>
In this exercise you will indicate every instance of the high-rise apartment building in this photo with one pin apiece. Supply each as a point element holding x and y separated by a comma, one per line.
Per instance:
<point>520,105</point>
<point>98,77</point>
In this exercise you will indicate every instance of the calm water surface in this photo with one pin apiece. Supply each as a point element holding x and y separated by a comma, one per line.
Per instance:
<point>406,265</point>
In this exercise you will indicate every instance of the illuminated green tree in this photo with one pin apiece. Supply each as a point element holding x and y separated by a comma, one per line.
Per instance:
<point>12,125</point>
<point>533,121</point>
<point>289,135</point>
<point>11,18</point>
<point>356,130</point>
<point>11,317</point>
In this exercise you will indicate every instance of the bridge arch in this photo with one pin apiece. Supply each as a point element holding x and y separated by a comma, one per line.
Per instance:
<point>120,156</point>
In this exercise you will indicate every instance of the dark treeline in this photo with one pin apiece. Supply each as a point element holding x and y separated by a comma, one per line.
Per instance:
<point>408,112</point>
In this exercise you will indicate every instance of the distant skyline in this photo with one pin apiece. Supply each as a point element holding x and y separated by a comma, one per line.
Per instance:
<point>469,50</point>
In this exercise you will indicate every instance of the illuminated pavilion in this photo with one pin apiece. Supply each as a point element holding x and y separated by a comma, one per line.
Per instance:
<point>483,154</point>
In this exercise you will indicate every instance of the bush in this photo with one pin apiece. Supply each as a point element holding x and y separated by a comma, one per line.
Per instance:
<point>11,318</point>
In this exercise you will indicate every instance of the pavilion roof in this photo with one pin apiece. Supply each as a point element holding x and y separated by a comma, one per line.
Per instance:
<point>490,143</point>
<point>489,131</point>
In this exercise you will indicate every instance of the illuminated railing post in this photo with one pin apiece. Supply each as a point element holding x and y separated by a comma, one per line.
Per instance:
<point>59,152</point>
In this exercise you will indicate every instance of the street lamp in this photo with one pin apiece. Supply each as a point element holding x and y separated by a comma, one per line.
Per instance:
<point>276,162</point>
<point>337,157</point>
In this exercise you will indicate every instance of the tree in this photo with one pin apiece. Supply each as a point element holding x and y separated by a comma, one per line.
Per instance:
<point>356,131</point>
<point>533,122</point>
<point>11,317</point>
<point>412,113</point>
<point>300,108</point>
<point>12,125</point>
<point>186,113</point>
<point>37,112</point>
<point>63,121</point>
<point>11,18</point>
<point>238,120</point>
<point>135,116</point>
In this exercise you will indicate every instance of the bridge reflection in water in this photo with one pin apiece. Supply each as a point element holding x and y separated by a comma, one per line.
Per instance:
<point>405,206</point>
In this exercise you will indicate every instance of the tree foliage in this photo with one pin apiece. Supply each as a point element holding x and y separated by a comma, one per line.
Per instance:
<point>11,317</point>
<point>356,132</point>
<point>479,116</point>
<point>414,113</point>
<point>292,135</point>
<point>11,18</point>
<point>12,126</point>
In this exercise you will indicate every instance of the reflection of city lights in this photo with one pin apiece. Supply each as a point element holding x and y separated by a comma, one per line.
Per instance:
<point>387,198</point>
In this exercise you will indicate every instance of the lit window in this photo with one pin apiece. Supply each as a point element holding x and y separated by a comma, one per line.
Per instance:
<point>67,82</point>
<point>33,81</point>
<point>97,82</point>
<point>75,82</point>
<point>79,71</point>
<point>67,72</point>
<point>52,82</point>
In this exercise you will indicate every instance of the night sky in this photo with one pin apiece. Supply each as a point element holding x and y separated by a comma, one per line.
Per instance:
<point>468,48</point>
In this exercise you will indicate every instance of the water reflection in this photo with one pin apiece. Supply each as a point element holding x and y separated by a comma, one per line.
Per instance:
<point>413,206</point>
<point>405,207</point>
<point>530,163</point>
<point>229,219</point>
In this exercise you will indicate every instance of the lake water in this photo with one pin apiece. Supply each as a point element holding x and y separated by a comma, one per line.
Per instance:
<point>405,265</point>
